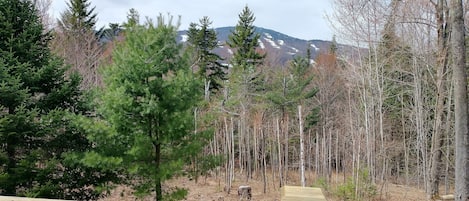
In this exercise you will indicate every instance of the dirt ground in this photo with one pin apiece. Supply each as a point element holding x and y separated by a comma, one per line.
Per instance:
<point>403,193</point>
<point>211,189</point>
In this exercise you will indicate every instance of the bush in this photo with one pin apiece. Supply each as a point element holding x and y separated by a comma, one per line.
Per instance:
<point>366,190</point>
<point>321,182</point>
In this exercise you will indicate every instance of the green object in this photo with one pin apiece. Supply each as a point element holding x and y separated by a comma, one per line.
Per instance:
<point>38,105</point>
<point>244,40</point>
<point>203,40</point>
<point>147,106</point>
<point>78,17</point>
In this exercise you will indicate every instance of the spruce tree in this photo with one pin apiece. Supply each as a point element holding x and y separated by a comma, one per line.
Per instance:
<point>246,79</point>
<point>78,17</point>
<point>203,41</point>
<point>133,18</point>
<point>148,102</point>
<point>244,40</point>
<point>246,59</point>
<point>37,107</point>
<point>77,41</point>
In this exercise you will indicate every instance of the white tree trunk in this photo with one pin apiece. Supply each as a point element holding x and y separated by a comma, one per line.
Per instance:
<point>302,149</point>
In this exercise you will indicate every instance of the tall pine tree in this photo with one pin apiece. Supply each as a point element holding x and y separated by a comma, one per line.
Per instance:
<point>78,17</point>
<point>246,81</point>
<point>148,101</point>
<point>203,40</point>
<point>77,41</point>
<point>244,40</point>
<point>246,58</point>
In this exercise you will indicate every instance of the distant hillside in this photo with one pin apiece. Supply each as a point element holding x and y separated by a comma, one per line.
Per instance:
<point>280,47</point>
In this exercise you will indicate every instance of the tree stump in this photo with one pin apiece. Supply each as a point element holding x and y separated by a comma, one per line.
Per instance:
<point>244,192</point>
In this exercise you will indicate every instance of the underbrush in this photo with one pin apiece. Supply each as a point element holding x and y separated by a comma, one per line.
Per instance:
<point>353,189</point>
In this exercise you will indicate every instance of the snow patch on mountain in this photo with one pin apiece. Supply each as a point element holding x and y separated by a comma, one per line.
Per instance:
<point>184,38</point>
<point>268,35</point>
<point>272,43</point>
<point>291,53</point>
<point>261,44</point>
<point>315,48</point>
<point>230,51</point>
<point>227,65</point>
<point>281,42</point>
<point>220,44</point>
<point>294,49</point>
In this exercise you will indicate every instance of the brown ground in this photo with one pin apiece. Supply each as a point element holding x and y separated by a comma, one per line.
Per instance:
<point>211,189</point>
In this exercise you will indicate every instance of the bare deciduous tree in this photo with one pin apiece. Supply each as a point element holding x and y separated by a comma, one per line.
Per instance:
<point>458,52</point>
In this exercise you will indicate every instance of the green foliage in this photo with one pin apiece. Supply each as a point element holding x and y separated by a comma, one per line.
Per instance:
<point>244,40</point>
<point>133,18</point>
<point>78,17</point>
<point>147,127</point>
<point>346,191</point>
<point>394,64</point>
<point>321,183</point>
<point>293,87</point>
<point>246,79</point>
<point>349,190</point>
<point>203,164</point>
<point>203,41</point>
<point>38,106</point>
<point>177,194</point>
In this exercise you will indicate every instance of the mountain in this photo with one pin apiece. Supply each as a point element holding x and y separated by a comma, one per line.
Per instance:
<point>280,48</point>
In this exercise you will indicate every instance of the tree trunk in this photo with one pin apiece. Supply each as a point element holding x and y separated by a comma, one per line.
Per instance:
<point>228,153</point>
<point>264,163</point>
<point>460,98</point>
<point>10,188</point>
<point>279,149</point>
<point>437,137</point>
<point>159,195</point>
<point>302,149</point>
<point>286,152</point>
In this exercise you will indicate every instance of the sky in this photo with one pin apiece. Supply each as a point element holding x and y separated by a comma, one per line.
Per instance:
<point>304,19</point>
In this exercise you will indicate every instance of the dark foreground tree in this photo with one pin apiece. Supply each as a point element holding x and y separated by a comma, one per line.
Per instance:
<point>37,106</point>
<point>147,106</point>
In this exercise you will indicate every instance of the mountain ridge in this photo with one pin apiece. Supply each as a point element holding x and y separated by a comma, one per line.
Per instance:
<point>280,48</point>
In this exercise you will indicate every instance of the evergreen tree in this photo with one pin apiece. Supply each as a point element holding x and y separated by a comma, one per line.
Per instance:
<point>246,84</point>
<point>133,18</point>
<point>77,41</point>
<point>333,48</point>
<point>294,87</point>
<point>78,17</point>
<point>148,101</point>
<point>203,40</point>
<point>37,107</point>
<point>244,40</point>
<point>245,79</point>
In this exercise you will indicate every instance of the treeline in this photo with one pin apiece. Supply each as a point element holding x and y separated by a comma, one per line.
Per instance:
<point>80,115</point>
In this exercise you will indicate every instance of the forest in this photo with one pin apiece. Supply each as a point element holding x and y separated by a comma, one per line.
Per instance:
<point>85,110</point>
